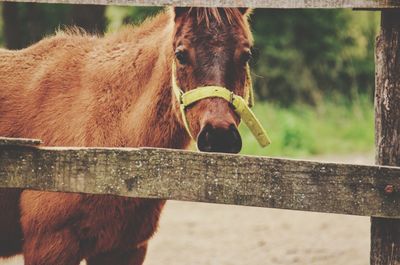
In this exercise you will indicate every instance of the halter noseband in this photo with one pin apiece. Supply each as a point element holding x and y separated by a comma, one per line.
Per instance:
<point>240,105</point>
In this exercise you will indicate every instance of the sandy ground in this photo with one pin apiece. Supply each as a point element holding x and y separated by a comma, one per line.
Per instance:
<point>207,234</point>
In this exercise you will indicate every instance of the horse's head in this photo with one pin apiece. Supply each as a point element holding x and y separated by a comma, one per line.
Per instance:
<point>212,48</point>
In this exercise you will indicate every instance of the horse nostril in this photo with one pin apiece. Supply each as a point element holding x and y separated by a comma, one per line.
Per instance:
<point>222,140</point>
<point>203,139</point>
<point>236,139</point>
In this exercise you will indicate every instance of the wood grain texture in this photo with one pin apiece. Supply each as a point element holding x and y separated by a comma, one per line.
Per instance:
<point>239,3</point>
<point>202,177</point>
<point>19,141</point>
<point>385,233</point>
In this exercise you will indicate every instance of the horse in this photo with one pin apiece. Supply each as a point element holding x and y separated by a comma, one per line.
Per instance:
<point>76,89</point>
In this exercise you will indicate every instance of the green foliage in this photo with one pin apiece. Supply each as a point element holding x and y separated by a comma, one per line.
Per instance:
<point>138,14</point>
<point>119,15</point>
<point>26,23</point>
<point>302,130</point>
<point>53,16</point>
<point>116,16</point>
<point>310,54</point>
<point>36,21</point>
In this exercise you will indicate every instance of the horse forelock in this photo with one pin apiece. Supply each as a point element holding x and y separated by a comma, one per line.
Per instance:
<point>221,16</point>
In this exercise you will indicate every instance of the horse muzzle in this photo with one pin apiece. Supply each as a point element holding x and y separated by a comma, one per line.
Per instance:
<point>218,139</point>
<point>221,139</point>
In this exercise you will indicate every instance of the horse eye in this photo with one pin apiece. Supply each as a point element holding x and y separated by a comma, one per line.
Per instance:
<point>181,56</point>
<point>246,56</point>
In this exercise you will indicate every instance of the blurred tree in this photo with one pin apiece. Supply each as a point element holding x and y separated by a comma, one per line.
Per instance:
<point>308,54</point>
<point>26,23</point>
<point>89,17</point>
<point>119,15</point>
<point>138,14</point>
<point>12,35</point>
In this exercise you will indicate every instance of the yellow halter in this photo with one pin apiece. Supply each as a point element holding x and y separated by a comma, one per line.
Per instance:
<point>241,106</point>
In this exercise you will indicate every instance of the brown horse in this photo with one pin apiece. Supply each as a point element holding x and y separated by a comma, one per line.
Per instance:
<point>79,90</point>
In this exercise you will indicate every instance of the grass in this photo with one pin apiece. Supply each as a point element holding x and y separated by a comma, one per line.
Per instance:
<point>301,131</point>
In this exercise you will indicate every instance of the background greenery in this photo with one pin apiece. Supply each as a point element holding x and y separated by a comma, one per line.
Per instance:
<point>303,131</point>
<point>313,70</point>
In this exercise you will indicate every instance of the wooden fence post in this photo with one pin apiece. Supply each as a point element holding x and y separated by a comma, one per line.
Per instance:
<point>385,233</point>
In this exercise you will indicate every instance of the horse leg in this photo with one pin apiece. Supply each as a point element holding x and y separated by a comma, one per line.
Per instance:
<point>120,257</point>
<point>10,227</point>
<point>56,248</point>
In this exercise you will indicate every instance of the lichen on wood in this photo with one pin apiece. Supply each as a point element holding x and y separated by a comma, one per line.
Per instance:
<point>204,177</point>
<point>385,233</point>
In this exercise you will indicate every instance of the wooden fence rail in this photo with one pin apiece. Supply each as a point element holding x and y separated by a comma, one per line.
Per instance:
<point>201,177</point>
<point>368,4</point>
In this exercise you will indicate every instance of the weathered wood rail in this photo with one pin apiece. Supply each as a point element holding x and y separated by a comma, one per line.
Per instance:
<point>367,4</point>
<point>201,177</point>
<point>385,233</point>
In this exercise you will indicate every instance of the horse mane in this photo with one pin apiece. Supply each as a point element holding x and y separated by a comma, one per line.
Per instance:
<point>230,16</point>
<point>219,15</point>
<point>73,30</point>
<point>125,32</point>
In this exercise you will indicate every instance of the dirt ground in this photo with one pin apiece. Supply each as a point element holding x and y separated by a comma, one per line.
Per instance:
<point>207,234</point>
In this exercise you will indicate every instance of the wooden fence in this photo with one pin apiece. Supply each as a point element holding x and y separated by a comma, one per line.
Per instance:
<point>364,4</point>
<point>194,176</point>
<point>242,180</point>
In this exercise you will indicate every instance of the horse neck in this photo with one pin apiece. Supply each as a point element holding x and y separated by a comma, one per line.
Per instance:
<point>157,117</point>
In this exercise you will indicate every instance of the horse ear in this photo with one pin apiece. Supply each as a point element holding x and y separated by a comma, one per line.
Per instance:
<point>180,11</point>
<point>245,11</point>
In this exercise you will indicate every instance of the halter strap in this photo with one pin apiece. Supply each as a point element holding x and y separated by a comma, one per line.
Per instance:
<point>240,105</point>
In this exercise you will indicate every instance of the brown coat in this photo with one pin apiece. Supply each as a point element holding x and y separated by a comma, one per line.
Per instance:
<point>79,90</point>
